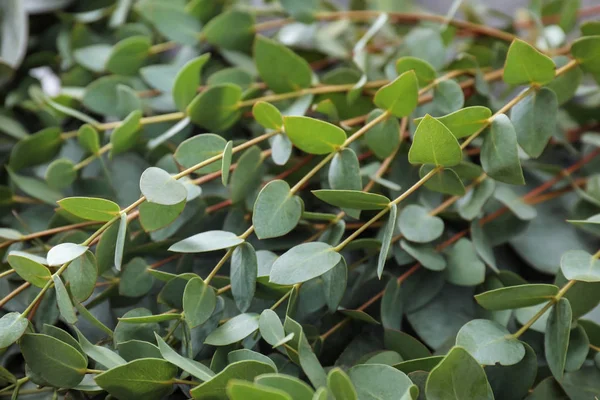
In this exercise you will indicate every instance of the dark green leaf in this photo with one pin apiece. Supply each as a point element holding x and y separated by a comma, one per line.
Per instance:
<point>499,154</point>
<point>473,383</point>
<point>244,271</point>
<point>276,210</point>
<point>146,378</point>
<point>556,340</point>
<point>279,67</point>
<point>199,302</point>
<point>534,120</point>
<point>304,262</point>
<point>56,362</point>
<point>234,330</point>
<point>516,296</point>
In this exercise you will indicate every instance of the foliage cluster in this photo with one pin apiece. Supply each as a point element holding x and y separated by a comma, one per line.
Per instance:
<point>213,200</point>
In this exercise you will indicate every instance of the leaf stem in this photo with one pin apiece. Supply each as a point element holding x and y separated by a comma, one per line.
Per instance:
<point>543,310</point>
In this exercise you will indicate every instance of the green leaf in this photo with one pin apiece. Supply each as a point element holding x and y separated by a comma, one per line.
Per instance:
<point>187,81</point>
<point>295,387</point>
<point>36,149</point>
<point>281,147</point>
<point>376,381</point>
<point>526,65</point>
<point>216,108</point>
<point>515,203</point>
<point>64,252</point>
<point>279,67</point>
<point>207,241</point>
<point>244,370</point>
<point>445,181</point>
<point>534,120</point>
<point>61,173</point>
<point>157,216</point>
<point>30,270</point>
<point>101,95</point>
<point>240,390</point>
<point>244,270</point>
<point>448,97</point>
<point>302,11</point>
<point>34,187</point>
<point>399,97</point>
<point>470,206</point>
<point>556,339</point>
<point>419,364</point>
<point>499,153</point>
<point>464,266</point>
<point>234,330</point>
<point>310,363</point>
<point>313,136</point>
<point>127,56</point>
<point>199,149</point>
<point>135,280</point>
<point>433,143</point>
<point>245,354</point>
<point>417,225</point>
<point>490,343</point>
<point>578,265</point>
<point>578,348</point>
<point>304,262</point>
<point>270,327</point>
<point>248,175</point>
<point>192,367</point>
<point>168,316</point>
<point>199,302</point>
<point>466,121</point>
<point>120,242</point>
<point>276,210</point>
<point>352,199</point>
<point>383,138</point>
<point>386,240</point>
<point>90,208</point>
<point>516,296</point>
<point>426,254</point>
<point>64,301</point>
<point>267,115</point>
<point>334,284</point>
<point>12,327</point>
<point>171,20</point>
<point>161,188</point>
<point>473,384</point>
<point>56,362</point>
<point>232,30</point>
<point>340,385</point>
<point>100,354</point>
<point>515,381</point>
<point>585,51</point>
<point>125,135</point>
<point>226,162</point>
<point>146,378</point>
<point>424,71</point>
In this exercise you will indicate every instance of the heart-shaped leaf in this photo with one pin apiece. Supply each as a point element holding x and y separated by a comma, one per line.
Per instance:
<point>276,210</point>
<point>578,265</point>
<point>417,225</point>
<point>434,144</point>
<point>490,343</point>
<point>161,188</point>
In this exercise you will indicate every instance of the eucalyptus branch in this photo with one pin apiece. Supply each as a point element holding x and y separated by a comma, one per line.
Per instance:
<point>490,217</point>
